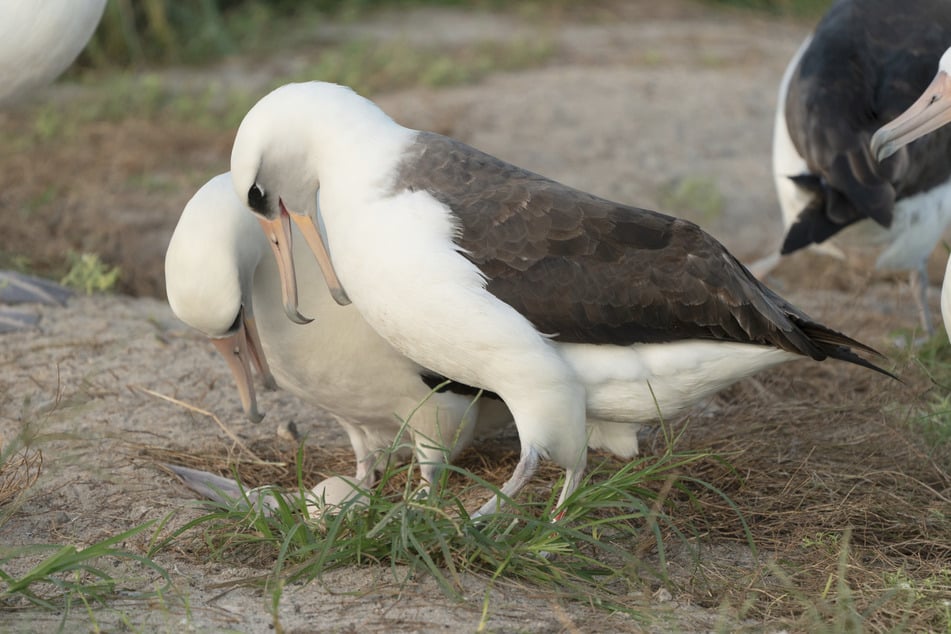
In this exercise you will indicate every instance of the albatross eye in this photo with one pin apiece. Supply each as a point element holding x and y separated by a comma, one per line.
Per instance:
<point>257,199</point>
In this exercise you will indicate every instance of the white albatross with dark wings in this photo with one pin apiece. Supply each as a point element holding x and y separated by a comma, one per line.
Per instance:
<point>865,63</point>
<point>568,306</point>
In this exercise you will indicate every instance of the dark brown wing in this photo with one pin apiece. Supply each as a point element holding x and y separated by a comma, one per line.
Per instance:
<point>588,270</point>
<point>867,62</point>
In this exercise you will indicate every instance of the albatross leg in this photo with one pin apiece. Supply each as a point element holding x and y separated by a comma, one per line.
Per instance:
<point>918,279</point>
<point>572,480</point>
<point>524,470</point>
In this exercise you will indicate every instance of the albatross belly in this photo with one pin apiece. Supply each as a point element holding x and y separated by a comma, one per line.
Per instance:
<point>644,382</point>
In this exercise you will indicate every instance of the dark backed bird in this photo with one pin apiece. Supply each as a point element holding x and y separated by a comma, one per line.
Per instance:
<point>866,61</point>
<point>571,308</point>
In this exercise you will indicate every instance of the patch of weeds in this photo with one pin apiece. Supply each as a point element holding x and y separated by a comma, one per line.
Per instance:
<point>933,420</point>
<point>593,553</point>
<point>804,8</point>
<point>828,541</point>
<point>853,600</point>
<point>369,66</point>
<point>88,274</point>
<point>68,576</point>
<point>20,467</point>
<point>38,200</point>
<point>698,196</point>
<point>932,592</point>
<point>63,576</point>
<point>49,123</point>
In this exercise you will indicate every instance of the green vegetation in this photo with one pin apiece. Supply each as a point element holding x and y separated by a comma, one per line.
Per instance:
<point>70,576</point>
<point>595,552</point>
<point>155,32</point>
<point>933,419</point>
<point>805,8</point>
<point>370,66</point>
<point>696,196</point>
<point>88,274</point>
<point>60,577</point>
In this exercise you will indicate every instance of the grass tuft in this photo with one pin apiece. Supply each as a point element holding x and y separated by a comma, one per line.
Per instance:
<point>595,553</point>
<point>88,274</point>
<point>697,196</point>
<point>69,575</point>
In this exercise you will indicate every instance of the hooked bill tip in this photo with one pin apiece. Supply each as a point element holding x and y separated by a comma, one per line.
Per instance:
<point>881,147</point>
<point>294,315</point>
<point>340,296</point>
<point>255,416</point>
<point>270,383</point>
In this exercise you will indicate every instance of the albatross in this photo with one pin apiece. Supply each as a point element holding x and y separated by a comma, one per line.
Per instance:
<point>222,281</point>
<point>570,307</point>
<point>866,61</point>
<point>930,112</point>
<point>38,40</point>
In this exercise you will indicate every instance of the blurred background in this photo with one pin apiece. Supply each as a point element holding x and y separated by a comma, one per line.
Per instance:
<point>660,104</point>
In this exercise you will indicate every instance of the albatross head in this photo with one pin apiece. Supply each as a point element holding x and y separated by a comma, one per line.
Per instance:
<point>209,275</point>
<point>929,112</point>
<point>275,171</point>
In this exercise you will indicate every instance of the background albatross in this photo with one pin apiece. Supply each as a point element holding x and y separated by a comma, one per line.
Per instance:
<point>866,62</point>
<point>930,112</point>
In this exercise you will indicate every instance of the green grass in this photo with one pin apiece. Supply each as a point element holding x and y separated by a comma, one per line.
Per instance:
<point>68,576</point>
<point>370,66</point>
<point>696,196</point>
<point>162,32</point>
<point>64,577</point>
<point>594,553</point>
<point>88,274</point>
<point>803,8</point>
<point>933,418</point>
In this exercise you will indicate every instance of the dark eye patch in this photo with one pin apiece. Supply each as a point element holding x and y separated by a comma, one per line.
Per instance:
<point>257,199</point>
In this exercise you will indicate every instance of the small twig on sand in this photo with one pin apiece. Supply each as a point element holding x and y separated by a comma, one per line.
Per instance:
<point>234,438</point>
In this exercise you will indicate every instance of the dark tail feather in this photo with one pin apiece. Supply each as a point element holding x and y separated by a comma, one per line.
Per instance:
<point>827,213</point>
<point>842,347</point>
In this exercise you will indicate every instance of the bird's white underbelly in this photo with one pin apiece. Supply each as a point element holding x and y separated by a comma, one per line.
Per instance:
<point>647,381</point>
<point>918,225</point>
<point>786,160</point>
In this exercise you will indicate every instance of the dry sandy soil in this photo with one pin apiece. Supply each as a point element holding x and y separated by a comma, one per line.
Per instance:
<point>633,102</point>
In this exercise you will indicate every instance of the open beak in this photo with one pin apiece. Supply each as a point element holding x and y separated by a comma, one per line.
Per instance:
<point>308,227</point>
<point>931,111</point>
<point>240,349</point>
<point>278,232</point>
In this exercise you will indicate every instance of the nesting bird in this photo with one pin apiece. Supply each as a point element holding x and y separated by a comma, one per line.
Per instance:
<point>866,62</point>
<point>572,308</point>
<point>222,281</point>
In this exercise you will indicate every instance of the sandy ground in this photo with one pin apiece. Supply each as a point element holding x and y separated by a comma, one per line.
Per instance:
<point>634,102</point>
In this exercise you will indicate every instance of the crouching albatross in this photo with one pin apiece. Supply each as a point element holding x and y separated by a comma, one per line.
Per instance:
<point>221,280</point>
<point>866,62</point>
<point>568,306</point>
<point>931,111</point>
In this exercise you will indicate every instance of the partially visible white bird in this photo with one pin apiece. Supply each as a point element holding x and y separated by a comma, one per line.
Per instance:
<point>930,111</point>
<point>221,280</point>
<point>866,61</point>
<point>39,39</point>
<point>570,307</point>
